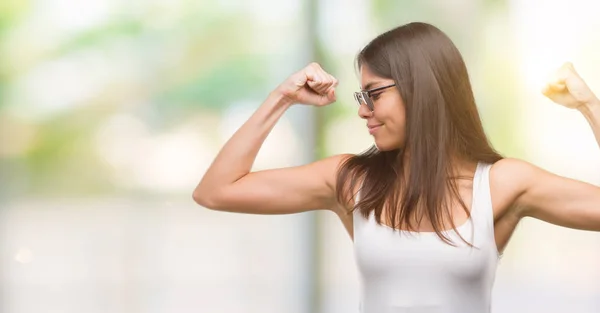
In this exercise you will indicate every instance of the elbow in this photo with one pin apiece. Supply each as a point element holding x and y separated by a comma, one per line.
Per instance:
<point>205,199</point>
<point>211,199</point>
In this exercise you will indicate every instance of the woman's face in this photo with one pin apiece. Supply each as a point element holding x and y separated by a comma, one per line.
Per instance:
<point>388,120</point>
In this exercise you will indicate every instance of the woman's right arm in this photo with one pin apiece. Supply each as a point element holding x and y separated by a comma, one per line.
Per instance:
<point>228,184</point>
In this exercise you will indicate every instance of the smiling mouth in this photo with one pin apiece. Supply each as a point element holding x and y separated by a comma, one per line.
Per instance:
<point>373,128</point>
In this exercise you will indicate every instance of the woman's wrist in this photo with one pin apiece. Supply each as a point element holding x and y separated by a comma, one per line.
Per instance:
<point>590,108</point>
<point>280,100</point>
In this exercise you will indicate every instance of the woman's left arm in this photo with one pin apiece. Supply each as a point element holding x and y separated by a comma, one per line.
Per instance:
<point>549,197</point>
<point>537,193</point>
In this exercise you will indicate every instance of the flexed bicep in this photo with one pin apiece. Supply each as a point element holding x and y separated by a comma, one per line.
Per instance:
<point>279,191</point>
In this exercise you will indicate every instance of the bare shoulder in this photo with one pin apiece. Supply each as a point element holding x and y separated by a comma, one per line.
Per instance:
<point>340,209</point>
<point>512,170</point>
<point>516,174</point>
<point>326,168</point>
<point>509,179</point>
<point>330,166</point>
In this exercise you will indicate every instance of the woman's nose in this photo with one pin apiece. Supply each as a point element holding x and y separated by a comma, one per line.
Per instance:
<point>364,111</point>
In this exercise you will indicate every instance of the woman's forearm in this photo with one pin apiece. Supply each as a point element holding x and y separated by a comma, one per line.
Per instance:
<point>238,154</point>
<point>591,112</point>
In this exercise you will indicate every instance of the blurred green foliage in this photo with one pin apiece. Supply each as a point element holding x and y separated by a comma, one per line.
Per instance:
<point>213,67</point>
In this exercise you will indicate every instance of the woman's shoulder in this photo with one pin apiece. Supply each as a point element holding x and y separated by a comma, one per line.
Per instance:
<point>328,167</point>
<point>334,162</point>
<point>508,178</point>
<point>511,170</point>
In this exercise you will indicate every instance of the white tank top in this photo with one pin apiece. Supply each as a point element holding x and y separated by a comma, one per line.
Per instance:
<point>417,272</point>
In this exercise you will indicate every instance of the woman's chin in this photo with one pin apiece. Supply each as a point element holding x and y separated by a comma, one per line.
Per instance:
<point>383,146</point>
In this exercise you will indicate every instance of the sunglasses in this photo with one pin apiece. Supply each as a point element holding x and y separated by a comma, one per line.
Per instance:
<point>364,97</point>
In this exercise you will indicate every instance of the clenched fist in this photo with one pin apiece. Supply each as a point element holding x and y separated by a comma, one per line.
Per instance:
<point>567,88</point>
<point>311,85</point>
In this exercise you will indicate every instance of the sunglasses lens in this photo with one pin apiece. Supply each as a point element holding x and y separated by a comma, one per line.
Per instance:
<point>359,99</point>
<point>367,101</point>
<point>362,98</point>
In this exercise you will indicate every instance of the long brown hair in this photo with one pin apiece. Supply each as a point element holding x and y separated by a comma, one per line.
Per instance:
<point>442,126</point>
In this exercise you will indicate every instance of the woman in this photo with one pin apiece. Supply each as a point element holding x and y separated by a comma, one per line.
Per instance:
<point>431,206</point>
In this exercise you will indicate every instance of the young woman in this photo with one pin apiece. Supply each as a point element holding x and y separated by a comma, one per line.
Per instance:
<point>431,205</point>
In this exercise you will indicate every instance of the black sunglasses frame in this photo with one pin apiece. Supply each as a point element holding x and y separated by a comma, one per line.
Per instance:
<point>364,97</point>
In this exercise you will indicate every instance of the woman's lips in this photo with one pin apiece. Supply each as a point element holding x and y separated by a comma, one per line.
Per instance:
<point>373,128</point>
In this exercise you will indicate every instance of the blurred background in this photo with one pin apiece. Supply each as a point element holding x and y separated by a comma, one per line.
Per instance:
<point>111,111</point>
